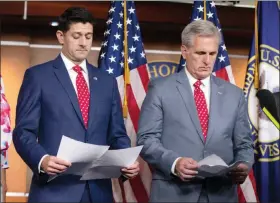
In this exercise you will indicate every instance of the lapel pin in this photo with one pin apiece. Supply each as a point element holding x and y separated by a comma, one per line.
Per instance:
<point>219,93</point>
<point>95,78</point>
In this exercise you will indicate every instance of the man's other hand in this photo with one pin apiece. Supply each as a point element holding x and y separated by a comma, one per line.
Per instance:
<point>53,165</point>
<point>239,173</point>
<point>131,171</point>
<point>186,168</point>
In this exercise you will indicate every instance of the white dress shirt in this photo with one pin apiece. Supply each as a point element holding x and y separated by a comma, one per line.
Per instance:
<point>73,75</point>
<point>205,87</point>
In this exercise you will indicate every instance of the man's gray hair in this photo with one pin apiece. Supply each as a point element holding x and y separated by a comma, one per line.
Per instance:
<point>199,28</point>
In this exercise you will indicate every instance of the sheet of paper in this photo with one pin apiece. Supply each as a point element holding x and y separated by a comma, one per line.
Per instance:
<point>212,160</point>
<point>80,154</point>
<point>102,172</point>
<point>111,163</point>
<point>214,165</point>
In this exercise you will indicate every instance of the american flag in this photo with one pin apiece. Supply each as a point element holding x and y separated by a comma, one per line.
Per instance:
<point>111,60</point>
<point>222,69</point>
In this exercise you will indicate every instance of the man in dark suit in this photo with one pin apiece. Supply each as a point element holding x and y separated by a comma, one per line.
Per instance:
<point>189,116</point>
<point>68,96</point>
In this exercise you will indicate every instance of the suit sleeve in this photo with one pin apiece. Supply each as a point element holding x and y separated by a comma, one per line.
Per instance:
<point>243,144</point>
<point>27,122</point>
<point>117,136</point>
<point>150,132</point>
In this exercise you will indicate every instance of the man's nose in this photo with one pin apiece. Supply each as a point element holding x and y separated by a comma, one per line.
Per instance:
<point>82,41</point>
<point>206,59</point>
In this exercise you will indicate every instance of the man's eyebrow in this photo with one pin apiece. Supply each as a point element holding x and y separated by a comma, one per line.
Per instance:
<point>82,33</point>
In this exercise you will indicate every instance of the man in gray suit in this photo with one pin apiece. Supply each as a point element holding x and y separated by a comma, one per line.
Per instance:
<point>189,116</point>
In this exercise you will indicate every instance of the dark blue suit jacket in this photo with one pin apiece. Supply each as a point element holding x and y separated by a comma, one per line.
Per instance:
<point>48,108</point>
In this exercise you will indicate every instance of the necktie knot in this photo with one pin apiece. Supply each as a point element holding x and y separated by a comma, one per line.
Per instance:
<point>78,69</point>
<point>197,84</point>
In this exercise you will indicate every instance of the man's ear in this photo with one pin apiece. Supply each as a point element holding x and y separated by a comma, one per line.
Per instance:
<point>184,51</point>
<point>60,37</point>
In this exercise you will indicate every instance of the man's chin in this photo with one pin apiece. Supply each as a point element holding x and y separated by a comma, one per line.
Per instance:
<point>82,57</point>
<point>203,76</point>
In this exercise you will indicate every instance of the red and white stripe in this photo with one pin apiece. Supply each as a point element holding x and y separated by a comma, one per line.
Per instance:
<point>137,189</point>
<point>226,74</point>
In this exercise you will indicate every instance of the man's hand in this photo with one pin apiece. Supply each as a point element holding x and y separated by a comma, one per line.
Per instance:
<point>131,171</point>
<point>186,168</point>
<point>239,173</point>
<point>53,165</point>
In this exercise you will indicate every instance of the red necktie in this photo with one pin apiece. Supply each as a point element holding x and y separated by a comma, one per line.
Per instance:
<point>201,107</point>
<point>83,93</point>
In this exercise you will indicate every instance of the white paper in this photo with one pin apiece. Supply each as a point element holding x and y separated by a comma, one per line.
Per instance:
<point>111,163</point>
<point>80,154</point>
<point>214,165</point>
<point>94,161</point>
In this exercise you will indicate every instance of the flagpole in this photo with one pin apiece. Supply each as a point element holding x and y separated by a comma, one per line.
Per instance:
<point>126,68</point>
<point>204,13</point>
<point>256,75</point>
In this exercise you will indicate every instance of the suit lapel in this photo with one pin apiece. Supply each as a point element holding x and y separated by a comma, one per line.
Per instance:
<point>184,88</point>
<point>63,77</point>
<point>94,81</point>
<point>216,96</point>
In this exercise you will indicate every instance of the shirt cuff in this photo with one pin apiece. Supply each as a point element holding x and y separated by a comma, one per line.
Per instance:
<point>39,165</point>
<point>173,166</point>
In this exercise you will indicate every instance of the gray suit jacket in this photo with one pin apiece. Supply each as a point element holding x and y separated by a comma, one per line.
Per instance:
<point>169,128</point>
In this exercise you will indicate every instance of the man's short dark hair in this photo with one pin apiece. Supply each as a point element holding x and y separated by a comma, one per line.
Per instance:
<point>74,15</point>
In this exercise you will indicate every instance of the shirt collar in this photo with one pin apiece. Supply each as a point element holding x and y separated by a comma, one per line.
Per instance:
<point>205,82</point>
<point>69,64</point>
